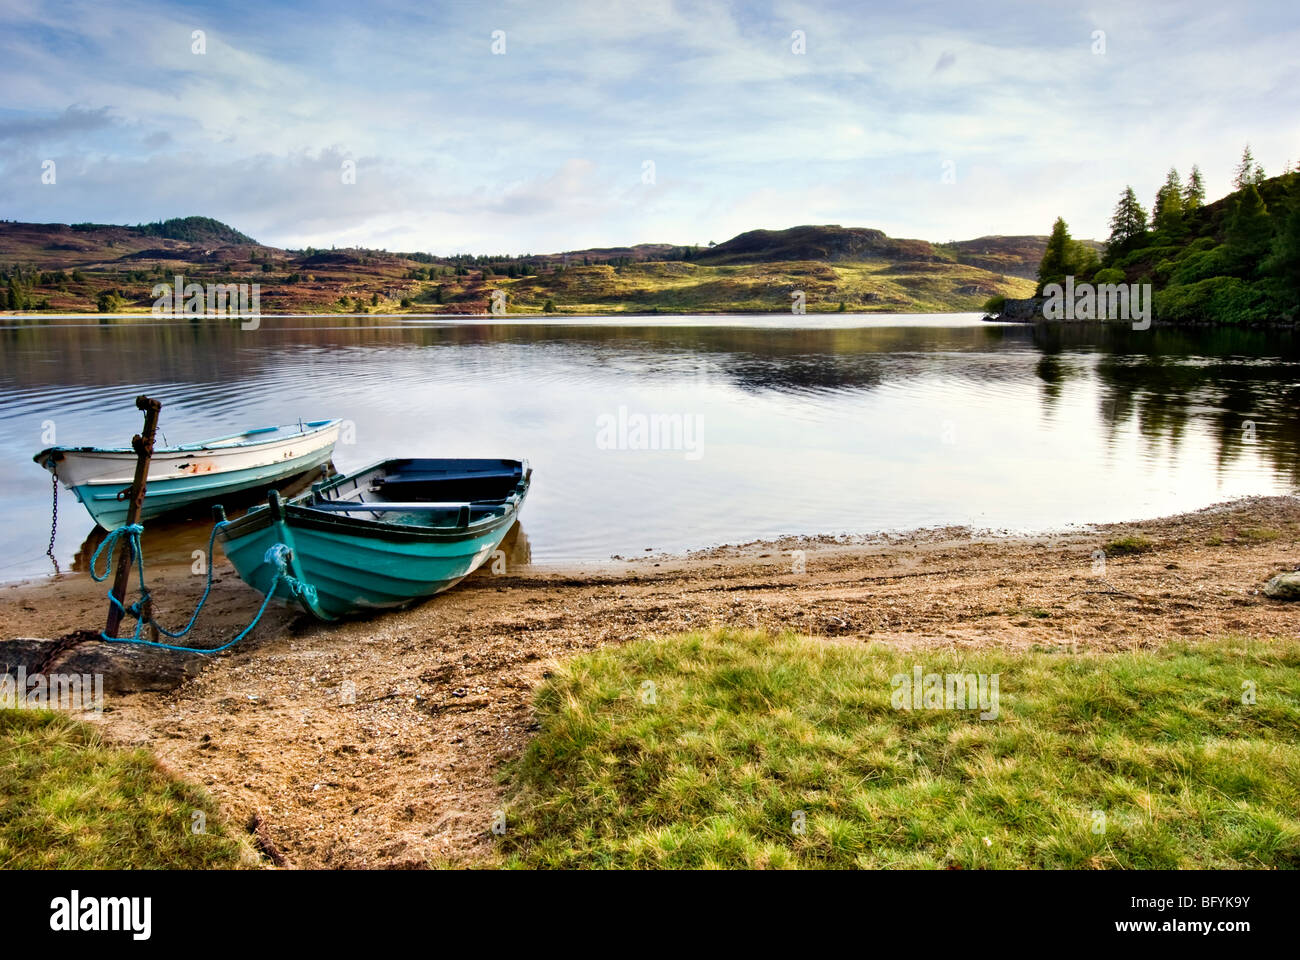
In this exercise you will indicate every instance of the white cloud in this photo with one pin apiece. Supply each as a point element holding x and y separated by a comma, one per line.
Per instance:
<point>542,148</point>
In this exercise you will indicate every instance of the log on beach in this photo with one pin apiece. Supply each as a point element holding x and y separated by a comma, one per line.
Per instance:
<point>125,667</point>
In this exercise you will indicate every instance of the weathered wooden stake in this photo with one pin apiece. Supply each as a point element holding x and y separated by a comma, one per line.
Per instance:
<point>142,444</point>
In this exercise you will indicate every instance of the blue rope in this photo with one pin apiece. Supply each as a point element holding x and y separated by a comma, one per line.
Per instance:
<point>278,555</point>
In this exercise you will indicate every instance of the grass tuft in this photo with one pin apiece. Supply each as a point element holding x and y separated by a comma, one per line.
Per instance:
<point>1132,544</point>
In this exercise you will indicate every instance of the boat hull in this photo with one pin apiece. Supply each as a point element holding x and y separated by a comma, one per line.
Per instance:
<point>181,477</point>
<point>176,493</point>
<point>356,566</point>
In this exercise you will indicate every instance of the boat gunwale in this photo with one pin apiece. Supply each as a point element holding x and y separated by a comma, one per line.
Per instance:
<point>298,512</point>
<point>306,518</point>
<point>158,487</point>
<point>333,483</point>
<point>200,446</point>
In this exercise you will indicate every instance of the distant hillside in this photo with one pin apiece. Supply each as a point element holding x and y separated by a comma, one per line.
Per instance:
<point>88,267</point>
<point>636,252</point>
<point>1014,256</point>
<point>830,244</point>
<point>203,230</point>
<point>61,245</point>
<point>195,230</point>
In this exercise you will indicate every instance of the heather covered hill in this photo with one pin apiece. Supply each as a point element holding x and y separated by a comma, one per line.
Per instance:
<point>88,267</point>
<point>1014,256</point>
<point>831,243</point>
<point>84,244</point>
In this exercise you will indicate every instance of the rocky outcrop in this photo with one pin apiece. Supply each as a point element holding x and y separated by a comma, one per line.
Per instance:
<point>125,668</point>
<point>1021,311</point>
<point>1285,586</point>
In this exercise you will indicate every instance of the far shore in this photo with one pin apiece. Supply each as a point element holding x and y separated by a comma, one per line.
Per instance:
<point>812,317</point>
<point>444,690</point>
<point>145,314</point>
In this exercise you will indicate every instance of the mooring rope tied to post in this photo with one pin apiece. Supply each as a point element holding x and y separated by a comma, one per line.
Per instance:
<point>126,541</point>
<point>278,554</point>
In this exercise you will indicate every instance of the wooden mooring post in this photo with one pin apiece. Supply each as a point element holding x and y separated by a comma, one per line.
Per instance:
<point>142,444</point>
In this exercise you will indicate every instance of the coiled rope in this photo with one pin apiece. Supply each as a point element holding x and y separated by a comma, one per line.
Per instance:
<point>277,555</point>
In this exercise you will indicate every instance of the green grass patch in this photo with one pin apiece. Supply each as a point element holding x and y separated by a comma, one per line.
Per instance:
<point>763,287</point>
<point>1260,534</point>
<point>746,729</point>
<point>68,801</point>
<point>1132,544</point>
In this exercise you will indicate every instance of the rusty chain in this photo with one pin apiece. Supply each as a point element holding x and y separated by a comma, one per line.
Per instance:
<point>54,519</point>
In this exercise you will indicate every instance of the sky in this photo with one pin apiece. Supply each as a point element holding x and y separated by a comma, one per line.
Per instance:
<point>539,127</point>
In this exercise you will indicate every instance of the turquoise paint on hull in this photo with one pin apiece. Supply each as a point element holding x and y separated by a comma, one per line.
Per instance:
<point>352,574</point>
<point>165,496</point>
<point>383,537</point>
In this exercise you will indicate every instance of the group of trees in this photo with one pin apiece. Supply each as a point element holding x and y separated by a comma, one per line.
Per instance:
<point>16,287</point>
<point>491,266</point>
<point>429,273</point>
<point>528,265</point>
<point>1174,202</point>
<point>1234,261</point>
<point>359,303</point>
<point>109,301</point>
<point>194,230</point>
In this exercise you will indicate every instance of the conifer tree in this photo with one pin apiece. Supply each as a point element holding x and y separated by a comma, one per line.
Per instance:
<point>1194,192</point>
<point>1250,231</point>
<point>1056,262</point>
<point>1167,213</point>
<point>1245,173</point>
<point>1285,262</point>
<point>1127,223</point>
<point>17,299</point>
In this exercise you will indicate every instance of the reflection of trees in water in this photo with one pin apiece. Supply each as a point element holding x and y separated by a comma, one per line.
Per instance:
<point>1163,379</point>
<point>758,360</point>
<point>755,359</point>
<point>1052,373</point>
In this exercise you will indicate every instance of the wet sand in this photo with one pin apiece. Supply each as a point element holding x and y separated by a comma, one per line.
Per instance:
<point>379,742</point>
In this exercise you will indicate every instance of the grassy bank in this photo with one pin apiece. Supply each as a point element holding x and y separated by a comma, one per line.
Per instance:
<point>1146,759</point>
<point>875,286</point>
<point>67,801</point>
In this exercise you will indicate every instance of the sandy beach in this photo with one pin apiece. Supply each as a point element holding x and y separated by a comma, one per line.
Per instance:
<point>379,742</point>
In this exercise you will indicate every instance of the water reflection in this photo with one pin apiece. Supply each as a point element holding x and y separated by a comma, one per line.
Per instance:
<point>821,430</point>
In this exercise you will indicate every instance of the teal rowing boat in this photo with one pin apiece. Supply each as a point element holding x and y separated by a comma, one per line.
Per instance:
<point>384,537</point>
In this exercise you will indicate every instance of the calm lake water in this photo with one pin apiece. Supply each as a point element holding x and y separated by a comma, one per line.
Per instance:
<point>851,424</point>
